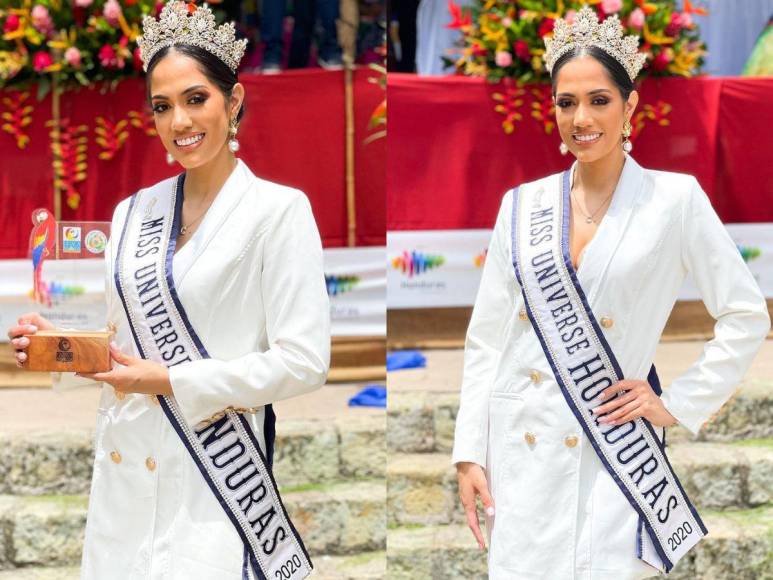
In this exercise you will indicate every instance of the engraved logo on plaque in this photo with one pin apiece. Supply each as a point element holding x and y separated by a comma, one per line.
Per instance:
<point>64,354</point>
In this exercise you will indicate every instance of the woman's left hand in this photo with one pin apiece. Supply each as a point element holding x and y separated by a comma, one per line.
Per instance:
<point>134,375</point>
<point>637,400</point>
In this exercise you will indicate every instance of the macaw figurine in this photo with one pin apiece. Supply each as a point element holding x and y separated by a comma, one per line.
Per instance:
<point>42,244</point>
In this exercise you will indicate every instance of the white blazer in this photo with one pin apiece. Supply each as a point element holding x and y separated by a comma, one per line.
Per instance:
<point>251,281</point>
<point>558,512</point>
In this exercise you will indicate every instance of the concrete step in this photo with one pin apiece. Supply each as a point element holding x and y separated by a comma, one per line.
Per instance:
<point>423,421</point>
<point>338,519</point>
<point>738,547</point>
<point>60,462</point>
<point>422,489</point>
<point>365,566</point>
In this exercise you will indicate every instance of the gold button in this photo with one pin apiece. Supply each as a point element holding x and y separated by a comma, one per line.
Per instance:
<point>530,437</point>
<point>115,456</point>
<point>522,314</point>
<point>535,376</point>
<point>607,322</point>
<point>120,395</point>
<point>571,441</point>
<point>150,463</point>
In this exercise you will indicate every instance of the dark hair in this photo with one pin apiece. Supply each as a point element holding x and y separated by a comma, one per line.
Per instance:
<point>216,71</point>
<point>615,70</point>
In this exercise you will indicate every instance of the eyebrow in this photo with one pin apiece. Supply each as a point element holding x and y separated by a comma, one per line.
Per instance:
<point>185,92</point>
<point>593,92</point>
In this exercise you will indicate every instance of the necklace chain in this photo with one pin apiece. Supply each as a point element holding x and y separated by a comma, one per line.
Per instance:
<point>589,218</point>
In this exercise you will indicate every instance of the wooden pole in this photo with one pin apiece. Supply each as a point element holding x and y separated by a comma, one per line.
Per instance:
<point>56,120</point>
<point>347,34</point>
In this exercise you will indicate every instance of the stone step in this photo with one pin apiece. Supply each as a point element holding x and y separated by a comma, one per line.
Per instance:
<point>307,452</point>
<point>365,566</point>
<point>422,489</point>
<point>338,519</point>
<point>738,547</point>
<point>423,422</point>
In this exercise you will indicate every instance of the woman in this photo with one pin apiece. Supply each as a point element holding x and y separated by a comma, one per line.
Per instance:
<point>560,421</point>
<point>216,290</point>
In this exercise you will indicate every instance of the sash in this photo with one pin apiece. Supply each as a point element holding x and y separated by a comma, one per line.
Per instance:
<point>584,365</point>
<point>226,451</point>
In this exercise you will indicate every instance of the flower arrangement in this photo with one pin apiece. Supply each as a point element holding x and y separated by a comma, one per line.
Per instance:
<point>504,38</point>
<point>78,42</point>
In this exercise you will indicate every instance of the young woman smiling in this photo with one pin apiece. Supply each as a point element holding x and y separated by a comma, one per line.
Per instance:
<point>216,289</point>
<point>562,419</point>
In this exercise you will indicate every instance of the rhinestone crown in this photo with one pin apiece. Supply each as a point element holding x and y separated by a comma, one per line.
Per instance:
<point>587,31</point>
<point>177,25</point>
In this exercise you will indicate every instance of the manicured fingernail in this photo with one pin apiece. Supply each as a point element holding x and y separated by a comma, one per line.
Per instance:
<point>490,511</point>
<point>114,344</point>
<point>22,357</point>
<point>595,409</point>
<point>32,328</point>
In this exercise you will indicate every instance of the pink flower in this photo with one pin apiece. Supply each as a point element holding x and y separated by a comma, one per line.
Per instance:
<point>661,61</point>
<point>611,6</point>
<point>11,23</point>
<point>41,61</point>
<point>107,56</point>
<point>522,51</point>
<point>112,11</point>
<point>675,26</point>
<point>73,57</point>
<point>41,19</point>
<point>570,16</point>
<point>686,20</point>
<point>503,58</point>
<point>507,22</point>
<point>636,19</point>
<point>83,3</point>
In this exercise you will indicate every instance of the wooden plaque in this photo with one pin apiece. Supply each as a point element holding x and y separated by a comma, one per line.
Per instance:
<point>69,351</point>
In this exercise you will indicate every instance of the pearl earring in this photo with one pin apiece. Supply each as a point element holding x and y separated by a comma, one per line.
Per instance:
<point>627,145</point>
<point>169,158</point>
<point>233,143</point>
<point>563,148</point>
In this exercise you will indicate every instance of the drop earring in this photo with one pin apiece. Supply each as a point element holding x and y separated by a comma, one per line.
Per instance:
<point>233,143</point>
<point>169,158</point>
<point>627,145</point>
<point>563,148</point>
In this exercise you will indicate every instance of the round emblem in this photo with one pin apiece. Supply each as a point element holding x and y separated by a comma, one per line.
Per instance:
<point>96,242</point>
<point>64,344</point>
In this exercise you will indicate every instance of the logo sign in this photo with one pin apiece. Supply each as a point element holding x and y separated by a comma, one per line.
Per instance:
<point>415,263</point>
<point>95,241</point>
<point>64,354</point>
<point>337,285</point>
<point>71,240</point>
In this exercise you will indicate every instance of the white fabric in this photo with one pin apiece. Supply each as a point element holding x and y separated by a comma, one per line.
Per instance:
<point>558,512</point>
<point>251,281</point>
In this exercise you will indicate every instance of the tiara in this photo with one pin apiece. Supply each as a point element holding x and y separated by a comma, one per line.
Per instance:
<point>178,25</point>
<point>587,31</point>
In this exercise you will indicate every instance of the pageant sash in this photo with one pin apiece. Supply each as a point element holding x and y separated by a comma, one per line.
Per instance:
<point>226,451</point>
<point>584,365</point>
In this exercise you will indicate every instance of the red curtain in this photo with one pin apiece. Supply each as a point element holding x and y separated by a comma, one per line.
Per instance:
<point>293,132</point>
<point>450,161</point>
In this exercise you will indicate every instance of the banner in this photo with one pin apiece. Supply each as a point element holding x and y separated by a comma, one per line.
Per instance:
<point>355,281</point>
<point>442,268</point>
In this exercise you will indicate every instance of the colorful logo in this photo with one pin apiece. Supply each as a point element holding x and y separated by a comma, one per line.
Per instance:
<point>415,263</point>
<point>480,259</point>
<point>55,292</point>
<point>96,241</point>
<point>748,253</point>
<point>71,243</point>
<point>339,284</point>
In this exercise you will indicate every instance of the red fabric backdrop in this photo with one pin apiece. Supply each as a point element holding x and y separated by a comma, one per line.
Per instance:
<point>450,160</point>
<point>293,132</point>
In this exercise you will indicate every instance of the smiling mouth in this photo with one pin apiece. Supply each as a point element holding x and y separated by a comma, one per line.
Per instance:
<point>189,141</point>
<point>587,138</point>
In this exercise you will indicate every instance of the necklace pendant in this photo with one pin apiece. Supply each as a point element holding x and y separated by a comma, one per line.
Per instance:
<point>588,220</point>
<point>183,230</point>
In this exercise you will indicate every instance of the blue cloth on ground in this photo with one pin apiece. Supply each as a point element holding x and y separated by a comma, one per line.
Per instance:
<point>405,359</point>
<point>370,396</point>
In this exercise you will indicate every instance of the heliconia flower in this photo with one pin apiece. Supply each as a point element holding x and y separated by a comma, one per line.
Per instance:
<point>503,58</point>
<point>83,3</point>
<point>611,6</point>
<point>41,19</point>
<point>11,23</point>
<point>636,18</point>
<point>522,51</point>
<point>459,18</point>
<point>112,11</point>
<point>545,27</point>
<point>41,61</point>
<point>73,57</point>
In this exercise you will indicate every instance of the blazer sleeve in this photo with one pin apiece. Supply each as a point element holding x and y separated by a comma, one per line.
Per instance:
<point>733,299</point>
<point>484,342</point>
<point>297,314</point>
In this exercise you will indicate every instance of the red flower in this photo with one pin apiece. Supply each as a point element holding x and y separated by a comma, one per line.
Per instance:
<point>107,56</point>
<point>459,18</point>
<point>521,49</point>
<point>136,60</point>
<point>660,62</point>
<point>545,27</point>
<point>675,26</point>
<point>41,60</point>
<point>11,23</point>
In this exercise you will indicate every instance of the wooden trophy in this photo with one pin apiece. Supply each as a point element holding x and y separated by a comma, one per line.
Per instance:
<point>65,350</point>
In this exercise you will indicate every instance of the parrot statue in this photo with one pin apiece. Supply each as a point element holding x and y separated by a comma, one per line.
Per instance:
<point>42,245</point>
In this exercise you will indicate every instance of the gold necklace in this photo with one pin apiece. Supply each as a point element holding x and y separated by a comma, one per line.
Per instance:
<point>184,229</point>
<point>589,218</point>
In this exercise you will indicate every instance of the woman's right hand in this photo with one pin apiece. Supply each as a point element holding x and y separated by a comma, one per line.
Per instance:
<point>28,324</point>
<point>472,483</point>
